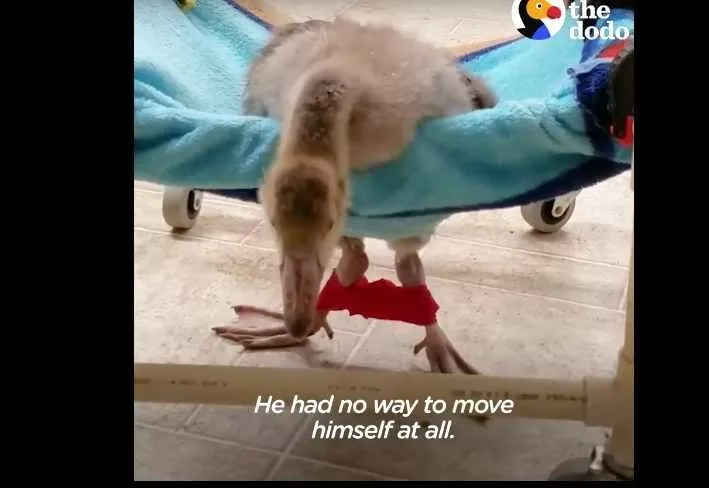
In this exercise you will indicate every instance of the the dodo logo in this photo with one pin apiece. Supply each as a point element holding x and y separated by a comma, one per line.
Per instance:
<point>538,19</point>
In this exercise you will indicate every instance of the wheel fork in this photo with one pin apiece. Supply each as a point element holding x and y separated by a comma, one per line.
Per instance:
<point>562,203</point>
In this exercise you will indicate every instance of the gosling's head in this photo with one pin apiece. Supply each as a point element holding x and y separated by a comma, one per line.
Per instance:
<point>304,200</point>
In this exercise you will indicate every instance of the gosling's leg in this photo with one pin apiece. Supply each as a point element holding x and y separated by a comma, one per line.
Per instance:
<point>442,355</point>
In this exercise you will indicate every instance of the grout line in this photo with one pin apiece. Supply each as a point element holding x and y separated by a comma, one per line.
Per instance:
<point>192,237</point>
<point>534,253</point>
<point>182,429</point>
<point>239,357</point>
<point>455,27</point>
<point>262,450</point>
<point>259,248</point>
<point>202,437</point>
<point>505,290</point>
<point>344,468</point>
<point>190,418</point>
<point>428,277</point>
<point>282,455</point>
<point>251,232</point>
<point>347,6</point>
<point>523,294</point>
<point>624,296</point>
<point>477,242</point>
<point>301,430</point>
<point>360,343</point>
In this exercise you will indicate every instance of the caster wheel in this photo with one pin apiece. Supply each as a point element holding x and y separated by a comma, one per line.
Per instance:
<point>548,216</point>
<point>579,470</point>
<point>586,469</point>
<point>180,207</point>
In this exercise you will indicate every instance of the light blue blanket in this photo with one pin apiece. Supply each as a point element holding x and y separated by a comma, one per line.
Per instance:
<point>537,143</point>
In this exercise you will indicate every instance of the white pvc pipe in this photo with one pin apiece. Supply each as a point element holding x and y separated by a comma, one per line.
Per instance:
<point>583,400</point>
<point>621,445</point>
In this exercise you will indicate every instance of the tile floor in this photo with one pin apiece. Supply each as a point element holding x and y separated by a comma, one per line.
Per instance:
<point>516,303</point>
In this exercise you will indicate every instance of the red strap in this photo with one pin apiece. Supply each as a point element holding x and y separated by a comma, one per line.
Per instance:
<point>611,51</point>
<point>380,299</point>
<point>627,139</point>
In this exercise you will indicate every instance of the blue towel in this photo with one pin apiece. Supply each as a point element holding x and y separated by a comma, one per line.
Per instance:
<point>545,138</point>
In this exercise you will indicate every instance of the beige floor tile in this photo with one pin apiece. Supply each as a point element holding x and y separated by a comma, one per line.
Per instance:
<point>217,220</point>
<point>272,431</point>
<point>185,287</point>
<point>145,185</point>
<point>311,9</point>
<point>164,456</point>
<point>410,19</point>
<point>507,449</point>
<point>446,23</point>
<point>536,274</point>
<point>481,10</point>
<point>166,292</point>
<point>624,301</point>
<point>504,334</point>
<point>580,239</point>
<point>479,29</point>
<point>501,334</point>
<point>241,425</point>
<point>267,254</point>
<point>510,335</point>
<point>599,230</point>
<point>610,202</point>
<point>425,11</point>
<point>302,470</point>
<point>170,416</point>
<point>377,250</point>
<point>379,253</point>
<point>262,236</point>
<point>212,197</point>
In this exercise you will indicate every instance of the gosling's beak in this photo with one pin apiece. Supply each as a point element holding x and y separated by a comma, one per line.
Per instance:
<point>300,278</point>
